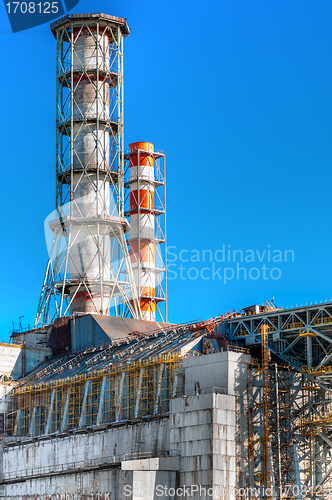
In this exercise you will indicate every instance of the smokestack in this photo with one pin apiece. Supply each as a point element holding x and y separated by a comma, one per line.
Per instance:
<point>148,227</point>
<point>89,268</point>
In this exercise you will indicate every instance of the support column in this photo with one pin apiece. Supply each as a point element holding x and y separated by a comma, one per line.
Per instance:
<point>118,406</point>
<point>85,398</point>
<point>32,423</point>
<point>65,411</point>
<point>309,351</point>
<point>49,416</point>
<point>138,395</point>
<point>161,373</point>
<point>101,401</point>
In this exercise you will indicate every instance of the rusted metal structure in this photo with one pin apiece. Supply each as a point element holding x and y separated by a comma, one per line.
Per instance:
<point>301,338</point>
<point>265,404</point>
<point>89,267</point>
<point>281,429</point>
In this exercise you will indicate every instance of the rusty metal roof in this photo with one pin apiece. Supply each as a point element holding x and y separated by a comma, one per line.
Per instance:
<point>92,329</point>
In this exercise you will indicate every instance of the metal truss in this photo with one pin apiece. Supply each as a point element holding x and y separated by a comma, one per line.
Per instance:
<point>281,429</point>
<point>88,257</point>
<point>272,438</point>
<point>155,216</point>
<point>302,339</point>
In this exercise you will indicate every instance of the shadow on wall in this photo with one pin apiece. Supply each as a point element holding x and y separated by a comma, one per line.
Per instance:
<point>16,360</point>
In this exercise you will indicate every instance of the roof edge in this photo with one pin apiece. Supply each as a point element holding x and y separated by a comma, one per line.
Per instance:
<point>122,22</point>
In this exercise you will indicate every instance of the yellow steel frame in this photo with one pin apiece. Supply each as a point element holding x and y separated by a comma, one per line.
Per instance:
<point>116,393</point>
<point>317,371</point>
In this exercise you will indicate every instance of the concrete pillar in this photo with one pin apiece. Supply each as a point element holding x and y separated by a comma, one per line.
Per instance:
<point>84,404</point>
<point>65,411</point>
<point>119,403</point>
<point>50,411</point>
<point>101,401</point>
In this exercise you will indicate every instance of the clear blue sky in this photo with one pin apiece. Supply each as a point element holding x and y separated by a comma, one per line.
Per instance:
<point>239,95</point>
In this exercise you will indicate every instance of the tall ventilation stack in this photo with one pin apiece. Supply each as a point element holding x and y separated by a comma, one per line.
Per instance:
<point>147,238</point>
<point>89,268</point>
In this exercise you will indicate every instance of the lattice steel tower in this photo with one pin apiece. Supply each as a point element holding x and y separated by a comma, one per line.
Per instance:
<point>89,268</point>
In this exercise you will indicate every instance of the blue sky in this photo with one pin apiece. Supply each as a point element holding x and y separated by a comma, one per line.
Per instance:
<point>238,94</point>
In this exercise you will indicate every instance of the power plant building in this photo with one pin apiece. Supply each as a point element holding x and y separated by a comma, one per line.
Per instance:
<point>104,398</point>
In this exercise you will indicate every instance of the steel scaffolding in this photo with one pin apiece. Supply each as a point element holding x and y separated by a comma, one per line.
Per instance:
<point>271,430</point>
<point>89,267</point>
<point>114,394</point>
<point>266,415</point>
<point>281,430</point>
<point>301,338</point>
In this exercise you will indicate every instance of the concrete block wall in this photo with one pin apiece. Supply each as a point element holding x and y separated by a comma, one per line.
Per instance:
<point>143,437</point>
<point>230,445</point>
<point>191,438</point>
<point>152,478</point>
<point>225,370</point>
<point>209,431</point>
<point>210,434</point>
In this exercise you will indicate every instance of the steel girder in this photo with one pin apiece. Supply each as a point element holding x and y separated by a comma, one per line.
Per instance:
<point>302,338</point>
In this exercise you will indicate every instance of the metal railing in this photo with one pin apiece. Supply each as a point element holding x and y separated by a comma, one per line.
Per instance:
<point>207,390</point>
<point>313,370</point>
<point>73,466</point>
<point>236,348</point>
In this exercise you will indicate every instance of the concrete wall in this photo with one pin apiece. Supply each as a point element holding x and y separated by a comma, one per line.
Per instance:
<point>9,354</point>
<point>34,337</point>
<point>43,456</point>
<point>12,358</point>
<point>143,437</point>
<point>204,440</point>
<point>107,484</point>
<point>226,370</point>
<point>5,388</point>
<point>210,434</point>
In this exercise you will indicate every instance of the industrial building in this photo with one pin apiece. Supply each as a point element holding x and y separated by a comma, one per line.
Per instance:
<point>104,398</point>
